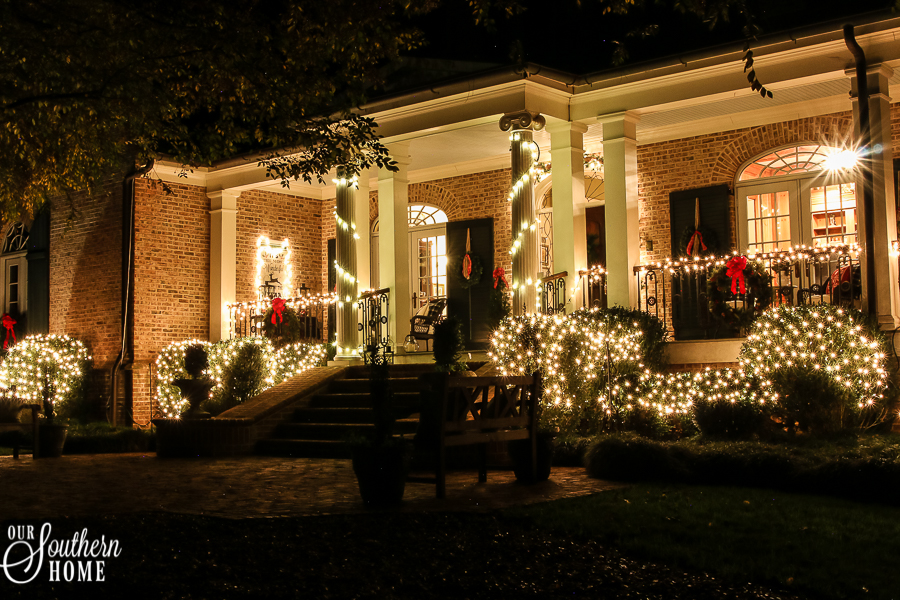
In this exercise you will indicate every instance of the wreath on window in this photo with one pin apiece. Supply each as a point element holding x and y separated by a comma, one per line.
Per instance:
<point>472,267</point>
<point>739,276</point>
<point>707,238</point>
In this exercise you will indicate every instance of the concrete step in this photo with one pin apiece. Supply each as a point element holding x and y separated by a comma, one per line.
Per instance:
<point>364,386</point>
<point>337,431</point>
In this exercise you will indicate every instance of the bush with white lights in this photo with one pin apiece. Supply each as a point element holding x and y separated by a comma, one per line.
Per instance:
<point>290,360</point>
<point>55,362</point>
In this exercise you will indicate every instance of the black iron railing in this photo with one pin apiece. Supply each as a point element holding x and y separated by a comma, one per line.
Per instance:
<point>553,293</point>
<point>593,287</point>
<point>677,291</point>
<point>374,312</point>
<point>309,314</point>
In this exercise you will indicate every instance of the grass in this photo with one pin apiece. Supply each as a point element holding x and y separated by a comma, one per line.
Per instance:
<point>827,548</point>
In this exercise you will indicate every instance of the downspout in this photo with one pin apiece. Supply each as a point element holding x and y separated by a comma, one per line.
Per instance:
<point>865,150</point>
<point>126,352</point>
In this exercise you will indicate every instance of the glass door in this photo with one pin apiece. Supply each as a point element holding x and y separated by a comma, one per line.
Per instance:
<point>428,264</point>
<point>767,214</point>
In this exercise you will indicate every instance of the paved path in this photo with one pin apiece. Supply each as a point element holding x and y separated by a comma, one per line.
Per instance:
<point>254,486</point>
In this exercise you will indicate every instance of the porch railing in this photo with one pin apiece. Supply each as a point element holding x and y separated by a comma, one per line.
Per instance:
<point>248,318</point>
<point>593,287</point>
<point>553,293</point>
<point>374,309</point>
<point>676,291</point>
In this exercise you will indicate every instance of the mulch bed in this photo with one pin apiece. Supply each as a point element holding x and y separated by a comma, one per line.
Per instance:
<point>374,555</point>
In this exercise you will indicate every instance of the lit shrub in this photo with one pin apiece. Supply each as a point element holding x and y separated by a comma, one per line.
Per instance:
<point>578,355</point>
<point>279,365</point>
<point>821,368</point>
<point>56,362</point>
<point>243,377</point>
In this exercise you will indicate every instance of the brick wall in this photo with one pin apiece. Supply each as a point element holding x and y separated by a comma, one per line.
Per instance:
<point>281,216</point>
<point>171,283</point>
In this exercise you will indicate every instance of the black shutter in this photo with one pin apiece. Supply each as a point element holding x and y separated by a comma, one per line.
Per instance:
<point>475,324</point>
<point>690,316</point>
<point>38,309</point>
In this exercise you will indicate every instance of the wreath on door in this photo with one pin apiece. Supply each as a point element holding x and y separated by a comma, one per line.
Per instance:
<point>739,276</point>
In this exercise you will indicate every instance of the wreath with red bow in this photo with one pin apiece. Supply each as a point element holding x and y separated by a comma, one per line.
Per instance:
<point>473,267</point>
<point>727,283</point>
<point>707,237</point>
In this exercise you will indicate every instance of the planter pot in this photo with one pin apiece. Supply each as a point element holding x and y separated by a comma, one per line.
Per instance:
<point>51,439</point>
<point>381,473</point>
<point>195,391</point>
<point>520,453</point>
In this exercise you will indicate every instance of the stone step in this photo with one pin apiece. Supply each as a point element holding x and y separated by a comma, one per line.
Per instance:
<point>363,386</point>
<point>344,415</point>
<point>402,400</point>
<point>396,371</point>
<point>337,431</point>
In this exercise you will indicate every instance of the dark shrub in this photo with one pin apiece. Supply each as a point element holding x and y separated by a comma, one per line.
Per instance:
<point>811,401</point>
<point>734,421</point>
<point>196,360</point>
<point>631,458</point>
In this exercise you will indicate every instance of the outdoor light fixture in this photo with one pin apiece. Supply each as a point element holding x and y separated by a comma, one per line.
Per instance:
<point>843,160</point>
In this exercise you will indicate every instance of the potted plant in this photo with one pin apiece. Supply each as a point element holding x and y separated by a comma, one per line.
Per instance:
<point>51,431</point>
<point>195,389</point>
<point>520,454</point>
<point>380,460</point>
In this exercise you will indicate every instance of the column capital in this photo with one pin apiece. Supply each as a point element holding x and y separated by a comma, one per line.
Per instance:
<point>566,126</point>
<point>628,116</point>
<point>223,200</point>
<point>523,119</point>
<point>619,125</point>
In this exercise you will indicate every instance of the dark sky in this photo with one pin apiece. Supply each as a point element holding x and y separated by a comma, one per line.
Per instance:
<point>579,39</point>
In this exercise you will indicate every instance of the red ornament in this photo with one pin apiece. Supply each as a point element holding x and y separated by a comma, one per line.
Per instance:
<point>499,274</point>
<point>8,322</point>
<point>277,309</point>
<point>735,270</point>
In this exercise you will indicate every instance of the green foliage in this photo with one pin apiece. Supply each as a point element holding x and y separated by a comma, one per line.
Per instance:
<point>654,334</point>
<point>448,345</point>
<point>84,84</point>
<point>737,418</point>
<point>288,331</point>
<point>48,367</point>
<point>99,438</point>
<point>196,360</point>
<point>242,378</point>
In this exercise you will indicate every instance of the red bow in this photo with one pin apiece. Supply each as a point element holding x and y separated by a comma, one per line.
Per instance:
<point>699,237</point>
<point>467,266</point>
<point>8,322</point>
<point>735,270</point>
<point>499,274</point>
<point>277,309</point>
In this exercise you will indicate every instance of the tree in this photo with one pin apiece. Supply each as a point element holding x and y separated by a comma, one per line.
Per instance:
<point>93,87</point>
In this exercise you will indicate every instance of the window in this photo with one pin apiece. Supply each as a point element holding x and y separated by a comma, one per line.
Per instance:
<point>15,271</point>
<point>803,194</point>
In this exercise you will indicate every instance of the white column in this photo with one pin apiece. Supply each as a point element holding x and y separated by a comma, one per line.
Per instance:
<point>363,251</point>
<point>621,190</point>
<point>525,247</point>
<point>222,260</point>
<point>345,256</point>
<point>885,217</point>
<point>569,235</point>
<point>393,242</point>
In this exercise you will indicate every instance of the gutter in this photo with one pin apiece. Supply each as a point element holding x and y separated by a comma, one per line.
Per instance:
<point>125,359</point>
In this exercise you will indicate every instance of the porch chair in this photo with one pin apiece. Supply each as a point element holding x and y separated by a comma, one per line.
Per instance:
<point>423,322</point>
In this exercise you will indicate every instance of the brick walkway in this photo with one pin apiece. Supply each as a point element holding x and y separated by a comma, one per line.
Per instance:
<point>84,485</point>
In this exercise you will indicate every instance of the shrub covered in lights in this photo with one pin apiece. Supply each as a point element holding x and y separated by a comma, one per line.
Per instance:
<point>578,355</point>
<point>278,365</point>
<point>821,367</point>
<point>55,362</point>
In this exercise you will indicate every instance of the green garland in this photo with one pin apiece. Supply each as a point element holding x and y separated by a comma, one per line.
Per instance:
<point>475,277</point>
<point>710,239</point>
<point>760,294</point>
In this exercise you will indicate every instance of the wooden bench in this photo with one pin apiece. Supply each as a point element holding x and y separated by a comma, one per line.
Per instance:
<point>479,410</point>
<point>19,427</point>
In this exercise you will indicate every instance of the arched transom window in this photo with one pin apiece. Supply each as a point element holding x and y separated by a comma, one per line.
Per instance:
<point>418,215</point>
<point>794,160</point>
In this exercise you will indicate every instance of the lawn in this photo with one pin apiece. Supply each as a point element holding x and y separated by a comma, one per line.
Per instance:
<point>823,547</point>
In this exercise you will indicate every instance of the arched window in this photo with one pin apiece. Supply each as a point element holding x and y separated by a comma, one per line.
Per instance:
<point>419,215</point>
<point>800,194</point>
<point>15,271</point>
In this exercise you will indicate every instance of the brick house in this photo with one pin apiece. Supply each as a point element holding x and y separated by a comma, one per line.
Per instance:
<point>661,139</point>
